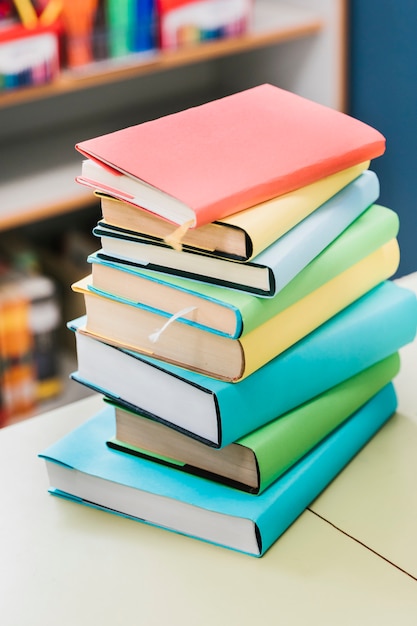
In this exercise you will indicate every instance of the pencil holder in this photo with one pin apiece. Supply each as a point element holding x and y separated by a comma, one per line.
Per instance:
<point>28,56</point>
<point>185,23</point>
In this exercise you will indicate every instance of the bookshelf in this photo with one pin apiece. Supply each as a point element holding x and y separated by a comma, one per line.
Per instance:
<point>296,44</point>
<point>271,25</point>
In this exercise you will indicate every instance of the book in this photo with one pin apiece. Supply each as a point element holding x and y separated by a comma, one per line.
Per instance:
<point>124,324</point>
<point>240,236</point>
<point>120,26</point>
<point>212,160</point>
<point>83,469</point>
<point>268,272</point>
<point>131,26</point>
<point>145,21</point>
<point>255,461</point>
<point>231,312</point>
<point>369,330</point>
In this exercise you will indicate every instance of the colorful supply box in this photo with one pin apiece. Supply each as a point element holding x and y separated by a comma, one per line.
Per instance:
<point>189,22</point>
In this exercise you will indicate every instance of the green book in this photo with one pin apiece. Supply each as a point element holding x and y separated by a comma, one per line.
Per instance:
<point>255,461</point>
<point>120,14</point>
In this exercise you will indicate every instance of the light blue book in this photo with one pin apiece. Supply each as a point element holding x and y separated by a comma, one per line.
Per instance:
<point>218,412</point>
<point>268,272</point>
<point>81,467</point>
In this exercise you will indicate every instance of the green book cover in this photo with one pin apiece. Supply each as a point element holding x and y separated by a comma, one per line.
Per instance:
<point>271,450</point>
<point>281,443</point>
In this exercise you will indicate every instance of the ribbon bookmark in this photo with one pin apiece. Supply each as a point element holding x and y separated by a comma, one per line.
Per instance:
<point>153,337</point>
<point>174,238</point>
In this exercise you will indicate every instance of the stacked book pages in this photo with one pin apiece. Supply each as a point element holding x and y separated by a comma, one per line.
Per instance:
<point>240,321</point>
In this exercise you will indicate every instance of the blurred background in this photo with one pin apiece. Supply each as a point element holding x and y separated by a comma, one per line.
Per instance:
<point>72,69</point>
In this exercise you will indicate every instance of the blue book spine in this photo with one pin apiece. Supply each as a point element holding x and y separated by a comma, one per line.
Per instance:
<point>307,479</point>
<point>367,331</point>
<point>144,25</point>
<point>294,250</point>
<point>374,327</point>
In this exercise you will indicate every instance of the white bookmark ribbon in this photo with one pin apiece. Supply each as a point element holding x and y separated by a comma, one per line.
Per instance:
<point>153,337</point>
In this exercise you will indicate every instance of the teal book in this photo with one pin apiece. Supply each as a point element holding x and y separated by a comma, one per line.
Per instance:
<point>120,26</point>
<point>268,272</point>
<point>82,468</point>
<point>235,313</point>
<point>254,462</point>
<point>372,328</point>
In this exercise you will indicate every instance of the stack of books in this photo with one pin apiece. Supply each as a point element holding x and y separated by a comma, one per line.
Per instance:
<point>240,321</point>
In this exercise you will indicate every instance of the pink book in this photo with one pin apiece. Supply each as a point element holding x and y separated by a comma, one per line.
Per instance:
<point>216,159</point>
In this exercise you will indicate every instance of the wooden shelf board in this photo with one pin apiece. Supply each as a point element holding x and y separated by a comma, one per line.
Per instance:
<point>42,195</point>
<point>37,196</point>
<point>273,23</point>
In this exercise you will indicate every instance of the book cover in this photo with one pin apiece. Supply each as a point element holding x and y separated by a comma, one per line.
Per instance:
<point>270,270</point>
<point>235,313</point>
<point>372,328</point>
<point>126,325</point>
<point>82,468</point>
<point>255,461</point>
<point>240,236</point>
<point>213,160</point>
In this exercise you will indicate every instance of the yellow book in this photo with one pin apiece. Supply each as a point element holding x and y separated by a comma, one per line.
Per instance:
<point>241,236</point>
<point>130,326</point>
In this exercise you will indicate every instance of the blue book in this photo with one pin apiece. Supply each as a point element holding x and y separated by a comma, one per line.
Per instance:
<point>144,25</point>
<point>81,467</point>
<point>268,272</point>
<point>218,412</point>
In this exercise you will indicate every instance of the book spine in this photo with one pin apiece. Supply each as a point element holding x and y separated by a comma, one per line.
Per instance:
<point>307,479</point>
<point>370,329</point>
<point>292,252</point>
<point>375,227</point>
<point>304,316</point>
<point>119,22</point>
<point>284,441</point>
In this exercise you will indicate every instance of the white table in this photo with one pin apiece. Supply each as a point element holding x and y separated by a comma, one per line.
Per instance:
<point>350,559</point>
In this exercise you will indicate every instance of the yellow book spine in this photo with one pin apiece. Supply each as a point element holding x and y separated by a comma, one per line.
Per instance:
<point>285,329</point>
<point>270,220</point>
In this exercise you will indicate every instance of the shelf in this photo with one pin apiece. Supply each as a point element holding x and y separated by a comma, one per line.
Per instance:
<point>273,23</point>
<point>29,196</point>
<point>45,194</point>
<point>296,44</point>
